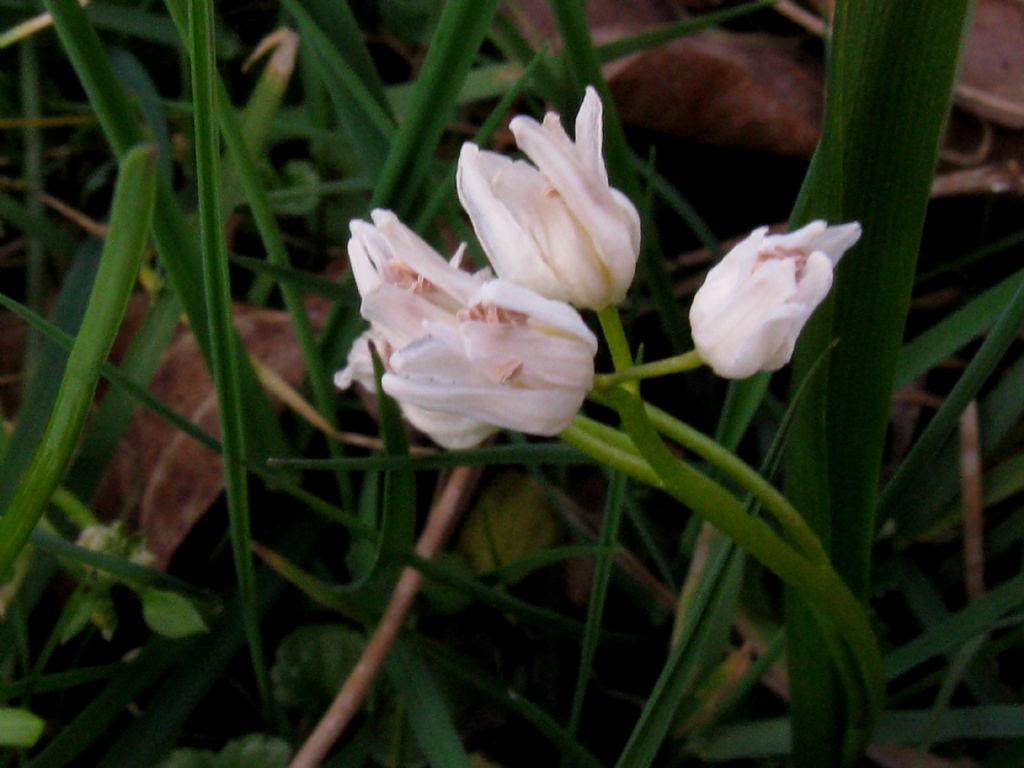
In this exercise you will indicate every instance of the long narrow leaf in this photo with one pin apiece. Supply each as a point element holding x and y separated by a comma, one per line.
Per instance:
<point>129,227</point>
<point>225,358</point>
<point>891,68</point>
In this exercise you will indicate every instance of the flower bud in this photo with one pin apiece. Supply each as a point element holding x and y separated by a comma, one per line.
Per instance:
<point>464,354</point>
<point>557,226</point>
<point>749,312</point>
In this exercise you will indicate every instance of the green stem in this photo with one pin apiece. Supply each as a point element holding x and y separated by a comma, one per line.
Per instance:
<point>840,615</point>
<point>578,435</point>
<point>615,335</point>
<point>225,354</point>
<point>687,361</point>
<point>781,509</point>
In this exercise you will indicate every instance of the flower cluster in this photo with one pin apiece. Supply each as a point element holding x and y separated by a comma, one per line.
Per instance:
<point>464,354</point>
<point>467,354</point>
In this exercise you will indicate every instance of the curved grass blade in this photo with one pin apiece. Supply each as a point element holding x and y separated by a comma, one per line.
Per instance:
<point>460,31</point>
<point>544,454</point>
<point>466,670</point>
<point>175,239</point>
<point>598,593</point>
<point>955,330</point>
<point>224,353</point>
<point>41,390</point>
<point>129,227</point>
<point>425,708</point>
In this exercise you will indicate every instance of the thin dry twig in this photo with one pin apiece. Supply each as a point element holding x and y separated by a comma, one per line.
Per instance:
<point>438,528</point>
<point>801,16</point>
<point>993,179</point>
<point>971,493</point>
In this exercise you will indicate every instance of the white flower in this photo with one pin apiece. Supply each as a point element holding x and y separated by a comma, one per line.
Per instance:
<point>754,303</point>
<point>557,228</point>
<point>464,354</point>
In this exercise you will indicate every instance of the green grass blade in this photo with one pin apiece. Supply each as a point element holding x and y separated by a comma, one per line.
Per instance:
<point>945,420</point>
<point>608,541</point>
<point>59,681</point>
<point>41,389</point>
<point>140,395</point>
<point>116,116</point>
<point>660,710</point>
<point>240,153</point>
<point>54,239</point>
<point>129,227</point>
<point>505,697</point>
<point>661,35</point>
<point>342,30</point>
<point>891,69</point>
<point>956,629</point>
<point>175,240</point>
<point>544,454</point>
<point>124,570</point>
<point>955,330</point>
<point>217,290</point>
<point>425,708</point>
<point>115,412</point>
<point>369,125</point>
<point>92,720</point>
<point>455,42</point>
<point>303,281</point>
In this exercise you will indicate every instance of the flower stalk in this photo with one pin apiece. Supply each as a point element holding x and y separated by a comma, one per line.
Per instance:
<point>802,565</point>
<point>688,361</point>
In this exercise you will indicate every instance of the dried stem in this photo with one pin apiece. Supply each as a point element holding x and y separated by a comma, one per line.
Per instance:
<point>438,528</point>
<point>971,492</point>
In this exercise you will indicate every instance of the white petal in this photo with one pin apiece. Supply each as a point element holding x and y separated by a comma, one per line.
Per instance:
<point>837,240</point>
<point>527,358</point>
<point>545,314</point>
<point>408,247</point>
<point>534,411</point>
<point>590,133</point>
<point>511,249</point>
<point>610,221</point>
<point>449,430</point>
<point>359,367</point>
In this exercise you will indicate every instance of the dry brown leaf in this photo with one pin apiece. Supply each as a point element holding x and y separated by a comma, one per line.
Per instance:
<point>992,73</point>
<point>744,91</point>
<point>160,477</point>
<point>747,91</point>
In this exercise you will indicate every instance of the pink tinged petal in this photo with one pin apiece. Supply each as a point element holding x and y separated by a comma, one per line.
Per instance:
<point>544,314</point>
<point>815,279</point>
<point>512,251</point>
<point>534,411</point>
<point>521,357</point>
<point>410,249</point>
<point>438,361</point>
<point>610,221</point>
<point>798,240</point>
<point>400,316</point>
